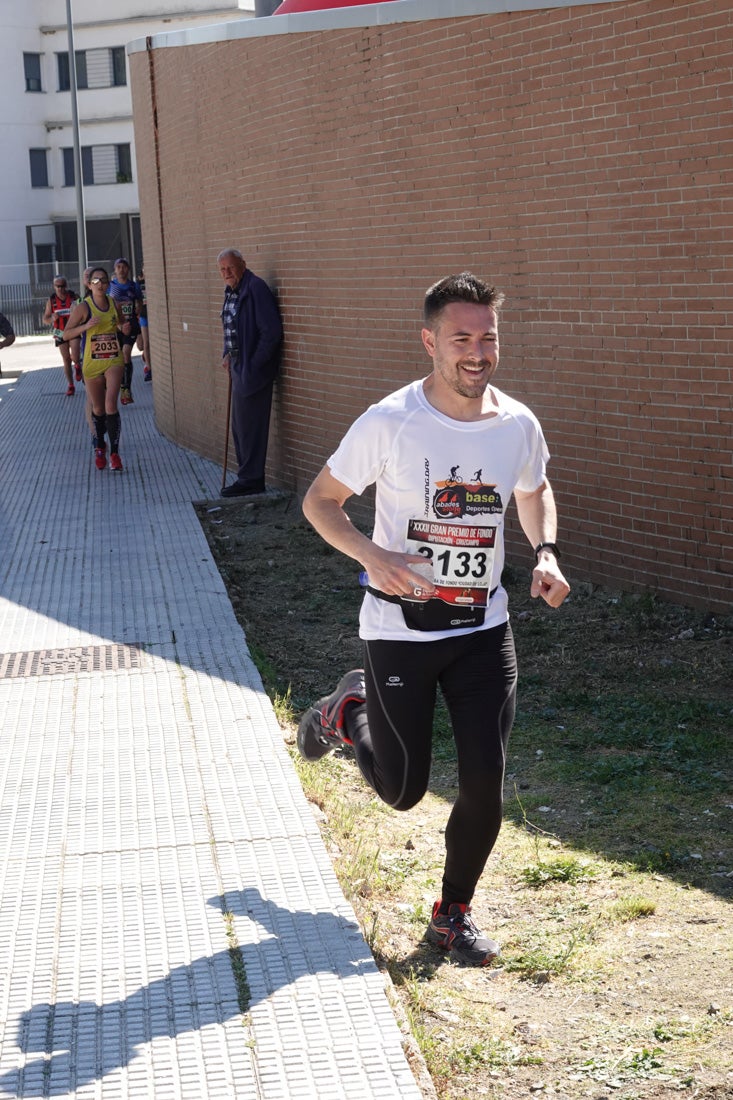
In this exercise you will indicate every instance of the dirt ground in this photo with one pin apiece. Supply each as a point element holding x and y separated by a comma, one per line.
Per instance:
<point>610,885</point>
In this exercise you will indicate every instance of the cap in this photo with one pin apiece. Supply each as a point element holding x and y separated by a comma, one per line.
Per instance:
<point>121,260</point>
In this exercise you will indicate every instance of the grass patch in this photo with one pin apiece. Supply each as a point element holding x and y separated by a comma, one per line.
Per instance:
<point>561,869</point>
<point>631,908</point>
<point>610,883</point>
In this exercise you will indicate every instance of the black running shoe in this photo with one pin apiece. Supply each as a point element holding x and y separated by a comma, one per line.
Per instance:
<point>322,727</point>
<point>456,933</point>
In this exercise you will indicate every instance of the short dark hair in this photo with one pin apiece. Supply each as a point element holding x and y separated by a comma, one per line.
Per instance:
<point>94,270</point>
<point>464,287</point>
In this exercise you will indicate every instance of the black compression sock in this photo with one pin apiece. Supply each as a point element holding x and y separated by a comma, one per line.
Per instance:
<point>100,427</point>
<point>113,429</point>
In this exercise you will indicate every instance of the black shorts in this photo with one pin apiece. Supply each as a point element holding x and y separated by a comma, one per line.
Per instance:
<point>128,341</point>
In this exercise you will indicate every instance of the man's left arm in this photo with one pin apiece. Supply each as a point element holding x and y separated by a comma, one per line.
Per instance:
<point>6,332</point>
<point>269,327</point>
<point>538,517</point>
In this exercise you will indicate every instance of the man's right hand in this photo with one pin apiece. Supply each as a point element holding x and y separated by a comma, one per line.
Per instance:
<point>226,362</point>
<point>390,572</point>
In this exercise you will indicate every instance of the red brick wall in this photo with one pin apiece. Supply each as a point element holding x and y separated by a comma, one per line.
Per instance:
<point>578,157</point>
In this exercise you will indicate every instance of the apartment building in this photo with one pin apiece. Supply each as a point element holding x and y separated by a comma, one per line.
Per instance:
<point>38,206</point>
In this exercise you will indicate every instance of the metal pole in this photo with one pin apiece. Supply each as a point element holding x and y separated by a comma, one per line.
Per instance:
<point>81,228</point>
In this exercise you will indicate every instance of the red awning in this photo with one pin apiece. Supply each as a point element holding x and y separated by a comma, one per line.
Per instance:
<point>290,7</point>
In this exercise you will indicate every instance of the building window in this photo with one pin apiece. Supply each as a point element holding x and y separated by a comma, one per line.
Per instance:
<point>103,68</point>
<point>99,164</point>
<point>119,69</point>
<point>32,70</point>
<point>124,164</point>
<point>62,62</point>
<point>39,168</point>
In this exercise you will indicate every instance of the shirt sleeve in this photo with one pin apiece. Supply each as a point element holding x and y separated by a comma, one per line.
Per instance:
<point>534,471</point>
<point>363,452</point>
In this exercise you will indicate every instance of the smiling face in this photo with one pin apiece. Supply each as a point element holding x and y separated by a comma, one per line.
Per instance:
<point>464,347</point>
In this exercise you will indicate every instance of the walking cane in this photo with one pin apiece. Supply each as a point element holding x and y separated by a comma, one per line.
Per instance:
<point>226,437</point>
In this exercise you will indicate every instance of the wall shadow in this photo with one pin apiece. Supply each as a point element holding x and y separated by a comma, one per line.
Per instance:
<point>78,1042</point>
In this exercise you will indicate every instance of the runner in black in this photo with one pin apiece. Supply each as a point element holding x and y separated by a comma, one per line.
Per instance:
<point>449,628</point>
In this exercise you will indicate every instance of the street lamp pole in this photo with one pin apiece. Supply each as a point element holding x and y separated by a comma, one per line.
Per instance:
<point>81,229</point>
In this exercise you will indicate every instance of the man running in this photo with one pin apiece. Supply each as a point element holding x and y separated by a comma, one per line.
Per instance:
<point>57,312</point>
<point>126,293</point>
<point>143,340</point>
<point>450,628</point>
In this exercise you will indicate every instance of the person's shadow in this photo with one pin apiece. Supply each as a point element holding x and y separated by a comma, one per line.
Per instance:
<point>80,1041</point>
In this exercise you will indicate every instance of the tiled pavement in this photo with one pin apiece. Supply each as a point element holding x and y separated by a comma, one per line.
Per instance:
<point>150,817</point>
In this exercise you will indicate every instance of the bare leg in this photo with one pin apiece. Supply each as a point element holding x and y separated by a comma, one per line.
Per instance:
<point>65,350</point>
<point>111,380</point>
<point>146,347</point>
<point>97,393</point>
<point>75,346</point>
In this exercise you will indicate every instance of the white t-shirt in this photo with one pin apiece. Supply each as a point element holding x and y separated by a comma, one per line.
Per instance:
<point>442,490</point>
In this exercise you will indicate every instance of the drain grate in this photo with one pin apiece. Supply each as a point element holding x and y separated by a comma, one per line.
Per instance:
<point>61,662</point>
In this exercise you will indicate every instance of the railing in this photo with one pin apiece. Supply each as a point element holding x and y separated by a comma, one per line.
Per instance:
<point>23,306</point>
<point>24,303</point>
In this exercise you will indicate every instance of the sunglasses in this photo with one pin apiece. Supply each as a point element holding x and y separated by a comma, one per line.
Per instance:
<point>95,281</point>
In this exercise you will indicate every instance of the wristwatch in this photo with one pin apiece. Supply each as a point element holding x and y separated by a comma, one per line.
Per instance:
<point>547,546</point>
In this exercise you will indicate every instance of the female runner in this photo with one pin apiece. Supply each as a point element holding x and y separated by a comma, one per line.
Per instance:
<point>98,318</point>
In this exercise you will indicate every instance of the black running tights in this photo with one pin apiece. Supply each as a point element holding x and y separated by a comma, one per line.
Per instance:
<point>392,735</point>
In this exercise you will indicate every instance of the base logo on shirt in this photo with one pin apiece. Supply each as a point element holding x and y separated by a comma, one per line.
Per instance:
<point>456,496</point>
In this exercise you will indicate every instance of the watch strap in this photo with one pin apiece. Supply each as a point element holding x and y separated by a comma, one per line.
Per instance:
<point>547,546</point>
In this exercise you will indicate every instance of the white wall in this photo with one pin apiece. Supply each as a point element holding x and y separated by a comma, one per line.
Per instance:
<point>43,119</point>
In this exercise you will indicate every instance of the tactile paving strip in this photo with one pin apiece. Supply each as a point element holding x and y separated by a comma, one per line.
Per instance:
<point>151,821</point>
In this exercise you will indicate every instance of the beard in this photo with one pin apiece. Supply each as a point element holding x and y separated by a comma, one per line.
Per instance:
<point>470,386</point>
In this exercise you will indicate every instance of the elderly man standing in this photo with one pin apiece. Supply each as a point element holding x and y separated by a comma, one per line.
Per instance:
<point>252,341</point>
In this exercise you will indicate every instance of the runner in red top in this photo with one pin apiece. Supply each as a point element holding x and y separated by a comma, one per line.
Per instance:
<point>58,308</point>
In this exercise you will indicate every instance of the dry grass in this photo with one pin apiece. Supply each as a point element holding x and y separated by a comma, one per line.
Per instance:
<point>610,885</point>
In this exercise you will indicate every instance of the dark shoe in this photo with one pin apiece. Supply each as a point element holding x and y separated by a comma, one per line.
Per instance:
<point>322,727</point>
<point>148,374</point>
<point>237,489</point>
<point>456,933</point>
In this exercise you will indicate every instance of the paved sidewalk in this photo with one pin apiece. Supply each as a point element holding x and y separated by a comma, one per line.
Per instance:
<point>150,817</point>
